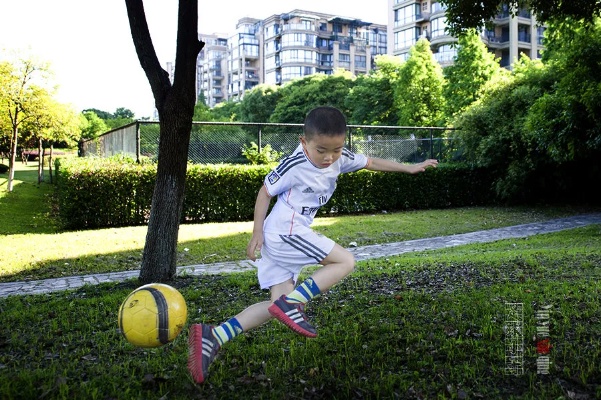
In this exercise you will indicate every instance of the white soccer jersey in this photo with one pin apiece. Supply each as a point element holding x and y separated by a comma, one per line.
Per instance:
<point>302,188</point>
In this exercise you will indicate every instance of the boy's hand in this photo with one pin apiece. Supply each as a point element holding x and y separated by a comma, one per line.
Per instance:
<point>254,246</point>
<point>421,167</point>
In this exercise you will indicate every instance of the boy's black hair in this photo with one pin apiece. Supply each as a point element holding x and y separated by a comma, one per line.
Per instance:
<point>325,120</point>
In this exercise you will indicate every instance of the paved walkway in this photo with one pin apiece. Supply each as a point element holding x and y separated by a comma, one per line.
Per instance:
<point>361,253</point>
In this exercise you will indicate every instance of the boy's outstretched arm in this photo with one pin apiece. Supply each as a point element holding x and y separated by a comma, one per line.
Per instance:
<point>261,207</point>
<point>379,164</point>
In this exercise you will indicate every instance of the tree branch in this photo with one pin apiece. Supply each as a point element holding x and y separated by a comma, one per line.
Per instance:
<point>157,76</point>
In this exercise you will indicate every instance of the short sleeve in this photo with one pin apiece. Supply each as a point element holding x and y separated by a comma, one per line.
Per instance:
<point>276,183</point>
<point>352,162</point>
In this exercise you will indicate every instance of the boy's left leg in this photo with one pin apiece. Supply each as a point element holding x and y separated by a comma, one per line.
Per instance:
<point>289,309</point>
<point>206,340</point>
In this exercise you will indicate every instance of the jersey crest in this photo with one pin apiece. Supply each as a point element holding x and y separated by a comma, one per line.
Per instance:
<point>273,177</point>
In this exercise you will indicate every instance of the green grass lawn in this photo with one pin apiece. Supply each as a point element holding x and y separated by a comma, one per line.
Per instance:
<point>426,325</point>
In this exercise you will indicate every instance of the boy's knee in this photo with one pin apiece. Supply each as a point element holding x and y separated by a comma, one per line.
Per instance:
<point>350,262</point>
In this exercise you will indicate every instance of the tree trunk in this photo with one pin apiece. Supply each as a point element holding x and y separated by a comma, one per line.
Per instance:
<point>175,104</point>
<point>159,260</point>
<point>40,161</point>
<point>50,162</point>
<point>13,157</point>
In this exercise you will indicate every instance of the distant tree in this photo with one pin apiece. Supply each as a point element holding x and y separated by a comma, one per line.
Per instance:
<point>175,105</point>
<point>202,112</point>
<point>473,67</point>
<point>465,14</point>
<point>52,123</point>
<point>258,103</point>
<point>371,100</point>
<point>301,95</point>
<point>123,113</point>
<point>226,111</point>
<point>92,125</point>
<point>104,115</point>
<point>418,91</point>
<point>22,93</point>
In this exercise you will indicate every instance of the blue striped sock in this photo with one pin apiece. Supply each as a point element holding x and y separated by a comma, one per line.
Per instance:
<point>227,331</point>
<point>303,292</point>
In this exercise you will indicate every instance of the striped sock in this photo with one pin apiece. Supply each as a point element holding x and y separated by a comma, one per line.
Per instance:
<point>303,292</point>
<point>227,331</point>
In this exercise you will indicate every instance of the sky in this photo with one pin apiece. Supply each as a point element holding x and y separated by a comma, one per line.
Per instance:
<point>91,54</point>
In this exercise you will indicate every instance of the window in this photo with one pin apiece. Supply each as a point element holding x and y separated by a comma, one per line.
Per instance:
<point>325,60</point>
<point>445,54</point>
<point>406,38</point>
<point>406,15</point>
<point>324,44</point>
<point>360,62</point>
<point>298,39</point>
<point>438,26</point>
<point>298,56</point>
<point>344,61</point>
<point>436,6</point>
<point>289,73</point>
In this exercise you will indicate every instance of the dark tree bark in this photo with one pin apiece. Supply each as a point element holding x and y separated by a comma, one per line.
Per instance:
<point>175,105</point>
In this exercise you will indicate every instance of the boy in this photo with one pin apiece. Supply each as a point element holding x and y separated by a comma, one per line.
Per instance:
<point>302,182</point>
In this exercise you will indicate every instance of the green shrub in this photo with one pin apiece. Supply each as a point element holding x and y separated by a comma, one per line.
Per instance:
<point>266,155</point>
<point>3,169</point>
<point>93,193</point>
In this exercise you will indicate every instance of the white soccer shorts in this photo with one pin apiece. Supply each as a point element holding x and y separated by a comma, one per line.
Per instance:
<point>284,256</point>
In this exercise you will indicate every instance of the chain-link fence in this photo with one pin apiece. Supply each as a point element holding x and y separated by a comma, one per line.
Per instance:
<point>223,142</point>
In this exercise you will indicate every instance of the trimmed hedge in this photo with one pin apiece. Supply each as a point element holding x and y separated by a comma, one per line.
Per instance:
<point>94,193</point>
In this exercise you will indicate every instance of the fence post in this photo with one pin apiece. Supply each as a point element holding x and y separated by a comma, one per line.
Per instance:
<point>431,143</point>
<point>138,142</point>
<point>350,139</point>
<point>259,138</point>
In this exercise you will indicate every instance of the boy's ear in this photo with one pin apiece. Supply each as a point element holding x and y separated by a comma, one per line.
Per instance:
<point>303,140</point>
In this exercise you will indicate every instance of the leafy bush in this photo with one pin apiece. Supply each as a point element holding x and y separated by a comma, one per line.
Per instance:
<point>93,193</point>
<point>3,168</point>
<point>266,155</point>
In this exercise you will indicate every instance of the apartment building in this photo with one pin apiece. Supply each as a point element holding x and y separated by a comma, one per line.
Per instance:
<point>509,37</point>
<point>284,47</point>
<point>212,68</point>
<point>301,43</point>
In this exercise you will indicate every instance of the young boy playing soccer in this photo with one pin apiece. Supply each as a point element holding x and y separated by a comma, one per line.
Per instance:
<point>302,182</point>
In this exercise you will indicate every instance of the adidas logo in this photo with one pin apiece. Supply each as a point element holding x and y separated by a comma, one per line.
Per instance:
<point>308,190</point>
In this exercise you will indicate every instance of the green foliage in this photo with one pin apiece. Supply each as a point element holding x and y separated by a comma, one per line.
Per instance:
<point>266,155</point>
<point>304,94</point>
<point>258,103</point>
<point>96,193</point>
<point>466,14</point>
<point>567,120</point>
<point>92,125</point>
<point>472,69</point>
<point>122,116</point>
<point>226,111</point>
<point>371,101</point>
<point>418,91</point>
<point>539,132</point>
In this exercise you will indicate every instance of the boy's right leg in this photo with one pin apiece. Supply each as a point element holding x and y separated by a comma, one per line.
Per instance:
<point>289,309</point>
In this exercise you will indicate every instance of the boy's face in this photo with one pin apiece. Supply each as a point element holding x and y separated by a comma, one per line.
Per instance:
<point>323,150</point>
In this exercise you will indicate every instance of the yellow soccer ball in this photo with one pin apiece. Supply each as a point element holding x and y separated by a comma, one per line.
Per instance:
<point>152,315</point>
